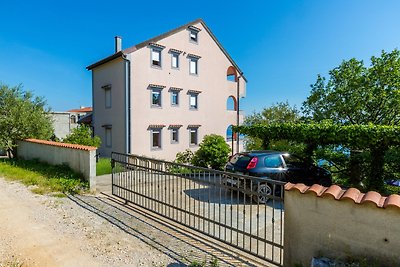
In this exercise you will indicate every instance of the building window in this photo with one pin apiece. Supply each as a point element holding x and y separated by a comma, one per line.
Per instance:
<point>156,138</point>
<point>175,60</point>
<point>73,119</point>
<point>175,98</point>
<point>193,66</point>
<point>193,135</point>
<point>107,93</point>
<point>155,97</point>
<point>108,137</point>
<point>193,35</point>
<point>175,135</point>
<point>193,101</point>
<point>156,57</point>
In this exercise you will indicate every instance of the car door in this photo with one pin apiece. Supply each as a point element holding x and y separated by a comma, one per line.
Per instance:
<point>296,169</point>
<point>273,168</point>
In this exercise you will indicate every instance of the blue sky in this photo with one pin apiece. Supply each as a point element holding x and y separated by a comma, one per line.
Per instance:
<point>280,45</point>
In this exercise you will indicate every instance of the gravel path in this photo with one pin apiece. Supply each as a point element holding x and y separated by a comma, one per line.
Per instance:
<point>87,230</point>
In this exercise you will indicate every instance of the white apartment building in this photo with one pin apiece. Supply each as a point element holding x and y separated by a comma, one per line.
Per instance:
<point>164,95</point>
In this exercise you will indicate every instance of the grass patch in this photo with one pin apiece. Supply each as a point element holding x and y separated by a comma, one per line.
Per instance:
<point>103,166</point>
<point>44,178</point>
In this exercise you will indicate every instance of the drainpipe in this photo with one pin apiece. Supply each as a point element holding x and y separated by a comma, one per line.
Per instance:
<point>238,110</point>
<point>127,104</point>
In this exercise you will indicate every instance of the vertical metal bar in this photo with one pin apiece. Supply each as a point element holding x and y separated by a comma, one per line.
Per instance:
<point>281,229</point>
<point>258,226</point>
<point>182,199</point>
<point>231,209</point>
<point>265,228</point>
<point>237,211</point>
<point>185,200</point>
<point>219,210</point>
<point>209,203</point>
<point>244,213</point>
<point>214,204</point>
<point>251,213</point>
<point>193,199</point>
<point>273,223</point>
<point>226,204</point>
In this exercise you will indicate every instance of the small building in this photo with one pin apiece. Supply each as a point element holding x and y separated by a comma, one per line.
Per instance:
<point>65,122</point>
<point>165,94</point>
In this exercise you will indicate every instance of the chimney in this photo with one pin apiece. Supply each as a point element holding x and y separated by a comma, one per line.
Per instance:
<point>118,44</point>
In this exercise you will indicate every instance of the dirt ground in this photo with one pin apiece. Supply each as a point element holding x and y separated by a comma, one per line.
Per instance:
<point>88,230</point>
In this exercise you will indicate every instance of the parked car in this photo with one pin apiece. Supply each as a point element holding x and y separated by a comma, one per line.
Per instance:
<point>273,165</point>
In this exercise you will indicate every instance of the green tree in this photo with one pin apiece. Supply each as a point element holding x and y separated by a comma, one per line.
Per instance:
<point>22,116</point>
<point>356,94</point>
<point>360,95</point>
<point>280,112</point>
<point>213,152</point>
<point>82,135</point>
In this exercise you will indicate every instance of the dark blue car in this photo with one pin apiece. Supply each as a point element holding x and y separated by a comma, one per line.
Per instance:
<point>274,165</point>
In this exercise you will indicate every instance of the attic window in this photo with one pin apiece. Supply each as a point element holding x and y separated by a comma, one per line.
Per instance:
<point>193,36</point>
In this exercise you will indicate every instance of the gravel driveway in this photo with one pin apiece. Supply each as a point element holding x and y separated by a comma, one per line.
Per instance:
<point>88,230</point>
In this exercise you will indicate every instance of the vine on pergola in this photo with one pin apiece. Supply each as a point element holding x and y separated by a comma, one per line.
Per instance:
<point>377,139</point>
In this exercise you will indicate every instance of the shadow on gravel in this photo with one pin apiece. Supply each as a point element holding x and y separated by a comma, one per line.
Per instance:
<point>111,209</point>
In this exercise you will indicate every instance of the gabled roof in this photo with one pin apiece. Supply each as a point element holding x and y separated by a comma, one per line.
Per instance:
<point>162,36</point>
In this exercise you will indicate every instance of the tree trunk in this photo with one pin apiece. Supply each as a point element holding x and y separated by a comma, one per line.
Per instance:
<point>375,179</point>
<point>355,167</point>
<point>309,153</point>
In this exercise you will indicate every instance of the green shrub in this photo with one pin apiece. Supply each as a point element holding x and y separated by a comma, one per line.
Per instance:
<point>82,136</point>
<point>184,157</point>
<point>213,152</point>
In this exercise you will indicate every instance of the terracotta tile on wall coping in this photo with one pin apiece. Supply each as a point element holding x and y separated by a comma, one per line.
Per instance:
<point>335,191</point>
<point>353,194</point>
<point>372,197</point>
<point>66,145</point>
<point>392,201</point>
<point>301,187</point>
<point>317,189</point>
<point>288,186</point>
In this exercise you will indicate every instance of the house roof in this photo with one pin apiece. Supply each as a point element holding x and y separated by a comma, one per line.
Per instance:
<point>352,194</point>
<point>162,36</point>
<point>81,110</point>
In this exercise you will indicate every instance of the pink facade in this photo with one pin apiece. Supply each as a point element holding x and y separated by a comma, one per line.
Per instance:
<point>162,96</point>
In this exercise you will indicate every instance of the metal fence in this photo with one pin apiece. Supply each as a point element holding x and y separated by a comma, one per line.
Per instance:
<point>235,209</point>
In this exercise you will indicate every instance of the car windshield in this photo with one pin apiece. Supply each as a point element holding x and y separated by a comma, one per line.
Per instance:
<point>240,160</point>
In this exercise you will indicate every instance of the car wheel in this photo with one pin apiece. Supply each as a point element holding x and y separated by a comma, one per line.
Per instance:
<point>264,189</point>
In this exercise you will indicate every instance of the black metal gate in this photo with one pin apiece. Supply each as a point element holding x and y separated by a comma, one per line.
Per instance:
<point>233,208</point>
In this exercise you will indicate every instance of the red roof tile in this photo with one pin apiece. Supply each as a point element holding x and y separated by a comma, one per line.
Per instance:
<point>81,110</point>
<point>66,145</point>
<point>352,193</point>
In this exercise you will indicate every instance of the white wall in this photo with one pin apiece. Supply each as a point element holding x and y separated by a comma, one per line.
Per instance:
<point>339,229</point>
<point>81,159</point>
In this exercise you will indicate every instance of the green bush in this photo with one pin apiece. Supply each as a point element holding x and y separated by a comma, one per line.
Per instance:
<point>213,152</point>
<point>184,157</point>
<point>82,136</point>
